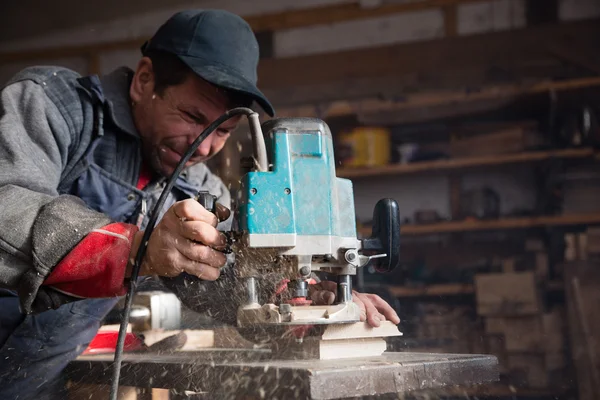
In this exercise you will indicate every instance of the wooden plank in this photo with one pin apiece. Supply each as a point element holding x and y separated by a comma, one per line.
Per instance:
<point>338,342</point>
<point>464,163</point>
<point>341,108</point>
<point>576,53</point>
<point>93,63</point>
<point>521,333</point>
<point>448,289</point>
<point>450,20</point>
<point>423,58</point>
<point>259,23</point>
<point>455,191</point>
<point>529,67</point>
<point>326,15</point>
<point>70,51</point>
<point>499,224</point>
<point>582,296</point>
<point>507,294</point>
<point>91,391</point>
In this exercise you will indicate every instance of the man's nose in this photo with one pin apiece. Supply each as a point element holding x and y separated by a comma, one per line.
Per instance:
<point>204,148</point>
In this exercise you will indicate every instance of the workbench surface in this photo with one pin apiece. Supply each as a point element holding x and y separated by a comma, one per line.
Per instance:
<point>233,373</point>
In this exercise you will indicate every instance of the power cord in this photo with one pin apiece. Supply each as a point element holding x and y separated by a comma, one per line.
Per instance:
<point>255,128</point>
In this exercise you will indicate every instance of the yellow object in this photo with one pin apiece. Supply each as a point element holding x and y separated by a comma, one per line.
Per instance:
<point>366,147</point>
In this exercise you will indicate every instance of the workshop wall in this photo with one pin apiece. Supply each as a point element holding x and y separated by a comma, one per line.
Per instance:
<point>472,19</point>
<point>454,281</point>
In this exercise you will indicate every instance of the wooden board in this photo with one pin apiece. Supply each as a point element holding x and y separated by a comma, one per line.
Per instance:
<point>507,141</point>
<point>508,294</point>
<point>414,101</point>
<point>582,280</point>
<point>194,339</point>
<point>422,59</point>
<point>331,14</point>
<point>521,334</point>
<point>504,223</point>
<point>449,289</point>
<point>464,163</point>
<point>339,341</point>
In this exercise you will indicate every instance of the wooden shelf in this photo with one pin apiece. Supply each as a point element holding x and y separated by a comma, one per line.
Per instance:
<point>463,163</point>
<point>498,224</point>
<point>450,289</point>
<point>433,99</point>
<point>445,289</point>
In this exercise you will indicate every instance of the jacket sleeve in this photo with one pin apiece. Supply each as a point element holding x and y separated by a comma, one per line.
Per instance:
<point>38,227</point>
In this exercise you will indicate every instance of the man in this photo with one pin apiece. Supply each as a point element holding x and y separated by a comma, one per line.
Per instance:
<point>82,159</point>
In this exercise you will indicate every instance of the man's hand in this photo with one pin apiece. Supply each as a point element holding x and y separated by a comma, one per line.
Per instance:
<point>185,240</point>
<point>373,308</point>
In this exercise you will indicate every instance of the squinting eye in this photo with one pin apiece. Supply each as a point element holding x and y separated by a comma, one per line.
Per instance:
<point>194,119</point>
<point>222,132</point>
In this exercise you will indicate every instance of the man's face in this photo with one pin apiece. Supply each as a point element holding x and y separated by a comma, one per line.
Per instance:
<point>169,123</point>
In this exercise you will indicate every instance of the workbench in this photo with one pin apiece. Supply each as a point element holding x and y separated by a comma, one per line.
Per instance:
<point>250,374</point>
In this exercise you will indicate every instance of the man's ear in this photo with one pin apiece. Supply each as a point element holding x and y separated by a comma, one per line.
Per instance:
<point>143,80</point>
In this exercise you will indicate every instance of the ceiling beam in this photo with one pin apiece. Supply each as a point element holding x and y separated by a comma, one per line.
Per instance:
<point>325,15</point>
<point>322,15</point>
<point>428,59</point>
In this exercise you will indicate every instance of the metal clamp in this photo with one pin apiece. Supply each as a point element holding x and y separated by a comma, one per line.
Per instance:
<point>359,260</point>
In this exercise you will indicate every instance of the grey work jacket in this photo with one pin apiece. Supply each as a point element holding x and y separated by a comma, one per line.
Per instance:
<point>69,163</point>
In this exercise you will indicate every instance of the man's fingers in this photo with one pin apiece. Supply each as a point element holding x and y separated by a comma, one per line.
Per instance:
<point>384,308</point>
<point>323,297</point>
<point>202,271</point>
<point>361,305</point>
<point>190,209</point>
<point>373,316</point>
<point>202,232</point>
<point>200,253</point>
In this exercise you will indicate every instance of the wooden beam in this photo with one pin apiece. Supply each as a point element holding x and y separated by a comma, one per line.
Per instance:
<point>336,13</point>
<point>573,52</point>
<point>399,86</point>
<point>464,163</point>
<point>433,99</point>
<point>421,58</point>
<point>496,224</point>
<point>446,289</point>
<point>322,15</point>
<point>450,20</point>
<point>93,63</point>
<point>71,51</point>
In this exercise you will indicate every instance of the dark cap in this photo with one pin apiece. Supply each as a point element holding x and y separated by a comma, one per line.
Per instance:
<point>217,45</point>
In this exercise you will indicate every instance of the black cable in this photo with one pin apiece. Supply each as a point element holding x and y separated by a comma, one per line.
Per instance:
<point>146,237</point>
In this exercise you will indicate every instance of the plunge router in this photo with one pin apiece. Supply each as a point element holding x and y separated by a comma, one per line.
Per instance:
<point>295,217</point>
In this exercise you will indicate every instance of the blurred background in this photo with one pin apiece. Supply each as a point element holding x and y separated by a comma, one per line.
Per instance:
<point>481,118</point>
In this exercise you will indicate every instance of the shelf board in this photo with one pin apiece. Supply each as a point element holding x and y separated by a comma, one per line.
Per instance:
<point>425,99</point>
<point>497,224</point>
<point>450,289</point>
<point>463,163</point>
<point>444,289</point>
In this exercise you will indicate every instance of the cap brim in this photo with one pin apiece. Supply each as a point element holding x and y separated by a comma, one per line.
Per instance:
<point>219,76</point>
